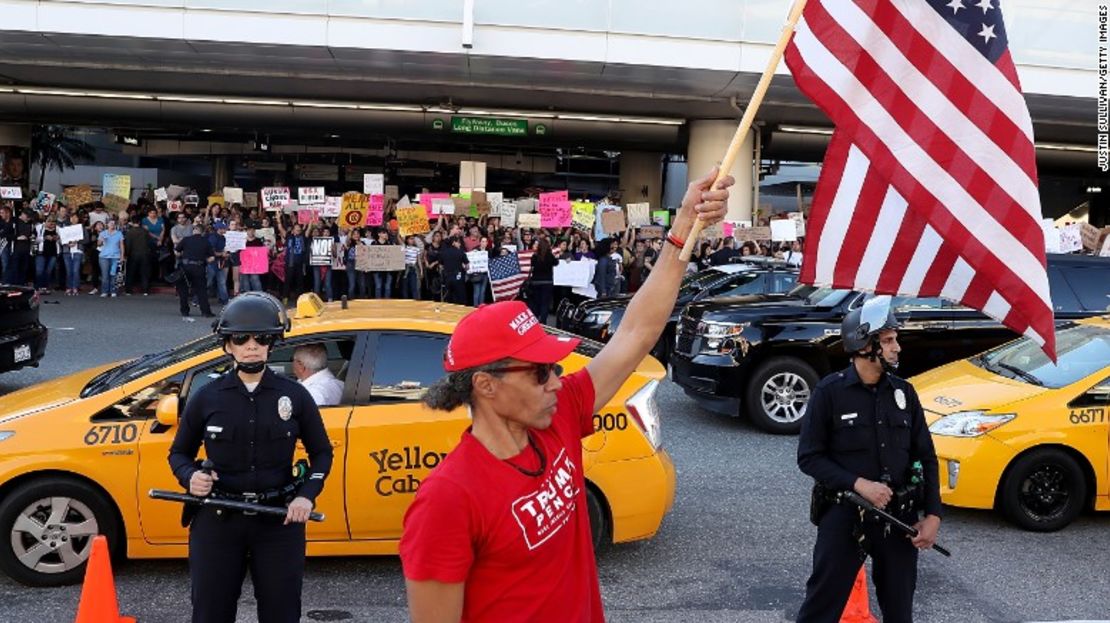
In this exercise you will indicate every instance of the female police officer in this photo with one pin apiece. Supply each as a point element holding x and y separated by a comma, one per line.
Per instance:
<point>864,429</point>
<point>249,421</point>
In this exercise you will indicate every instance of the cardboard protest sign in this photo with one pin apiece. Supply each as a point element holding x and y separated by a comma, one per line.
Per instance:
<point>612,221</point>
<point>661,218</point>
<point>639,214</point>
<point>572,274</point>
<point>114,203</point>
<point>254,261</point>
<point>650,232</point>
<point>71,233</point>
<point>426,200</point>
<point>235,241</point>
<point>385,257</point>
<point>479,203</point>
<point>352,210</point>
<point>1105,251</point>
<point>77,196</point>
<point>173,191</point>
<point>233,195</point>
<point>375,210</point>
<point>250,200</point>
<point>373,184</point>
<point>311,195</point>
<point>306,216</point>
<point>711,232</point>
<point>556,214</point>
<point>274,198</point>
<point>472,176</point>
<point>11,192</point>
<point>118,185</point>
<point>332,206</point>
<point>1090,236</point>
<point>507,214</point>
<point>462,204</point>
<point>413,220</point>
<point>362,257</point>
<point>160,194</point>
<point>443,206</point>
<point>783,230</point>
<point>1071,238</point>
<point>321,251</point>
<point>392,191</point>
<point>478,260</point>
<point>584,215</point>
<point>752,234</point>
<point>528,221</point>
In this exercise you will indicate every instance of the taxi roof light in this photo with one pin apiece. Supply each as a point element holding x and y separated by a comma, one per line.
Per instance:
<point>309,305</point>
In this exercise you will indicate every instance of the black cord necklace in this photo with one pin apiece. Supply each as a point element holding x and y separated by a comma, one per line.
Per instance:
<point>539,453</point>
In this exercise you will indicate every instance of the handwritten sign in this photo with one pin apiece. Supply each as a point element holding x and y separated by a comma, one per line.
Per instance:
<point>306,216</point>
<point>250,200</point>
<point>585,214</point>
<point>528,221</point>
<point>526,205</point>
<point>661,218</point>
<point>612,221</point>
<point>114,203</point>
<point>375,210</point>
<point>274,198</point>
<point>332,207</point>
<point>556,214</point>
<point>413,220</point>
<point>639,214</point>
<point>1090,235</point>
<point>235,241</point>
<point>373,184</point>
<point>173,191</point>
<point>11,192</point>
<point>321,251</point>
<point>507,213</point>
<point>216,200</point>
<point>799,222</point>
<point>352,211</point>
<point>650,232</point>
<point>1071,238</point>
<point>254,260</point>
<point>752,234</point>
<point>1105,251</point>
<point>118,185</point>
<point>573,274</point>
<point>443,206</point>
<point>478,260</point>
<point>160,194</point>
<point>267,234</point>
<point>392,191</point>
<point>383,257</point>
<point>71,233</point>
<point>311,195</point>
<point>233,195</point>
<point>76,196</point>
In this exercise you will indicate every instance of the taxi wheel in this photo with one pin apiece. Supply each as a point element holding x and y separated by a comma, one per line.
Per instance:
<point>777,394</point>
<point>1044,490</point>
<point>47,528</point>
<point>599,524</point>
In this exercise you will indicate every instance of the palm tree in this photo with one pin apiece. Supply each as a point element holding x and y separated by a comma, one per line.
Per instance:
<point>52,148</point>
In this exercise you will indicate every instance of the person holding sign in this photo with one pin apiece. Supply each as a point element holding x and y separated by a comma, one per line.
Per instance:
<point>478,260</point>
<point>542,280</point>
<point>296,261</point>
<point>323,252</point>
<point>410,280</point>
<point>383,279</point>
<point>73,255</point>
<point>356,280</point>
<point>250,279</point>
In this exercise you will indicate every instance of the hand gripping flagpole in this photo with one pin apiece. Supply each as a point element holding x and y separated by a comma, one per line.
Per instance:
<point>749,117</point>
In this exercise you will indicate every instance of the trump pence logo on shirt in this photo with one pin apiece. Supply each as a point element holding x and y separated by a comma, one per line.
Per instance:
<point>543,513</point>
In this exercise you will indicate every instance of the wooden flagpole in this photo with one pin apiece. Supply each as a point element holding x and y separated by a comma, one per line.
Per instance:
<point>749,116</point>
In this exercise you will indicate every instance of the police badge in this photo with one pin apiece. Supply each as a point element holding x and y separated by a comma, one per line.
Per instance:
<point>285,408</point>
<point>900,399</point>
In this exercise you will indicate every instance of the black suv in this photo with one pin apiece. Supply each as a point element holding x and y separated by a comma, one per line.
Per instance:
<point>763,354</point>
<point>598,319</point>
<point>22,336</point>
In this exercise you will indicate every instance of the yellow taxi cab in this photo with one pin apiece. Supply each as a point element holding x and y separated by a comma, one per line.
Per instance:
<point>1015,432</point>
<point>79,454</point>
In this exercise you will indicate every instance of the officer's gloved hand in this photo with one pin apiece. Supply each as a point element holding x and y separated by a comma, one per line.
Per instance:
<point>200,483</point>
<point>875,492</point>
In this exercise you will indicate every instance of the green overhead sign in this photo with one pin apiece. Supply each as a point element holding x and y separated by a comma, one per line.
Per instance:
<point>489,125</point>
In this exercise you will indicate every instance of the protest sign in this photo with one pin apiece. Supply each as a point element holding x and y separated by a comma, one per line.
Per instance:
<point>1105,251</point>
<point>118,185</point>
<point>235,241</point>
<point>373,184</point>
<point>1090,235</point>
<point>752,234</point>
<point>352,210</point>
<point>572,274</point>
<point>160,194</point>
<point>413,220</point>
<point>478,260</point>
<point>584,215</point>
<point>384,257</point>
<point>191,199</point>
<point>11,192</point>
<point>374,210</point>
<point>45,201</point>
<point>114,203</point>
<point>1071,238</point>
<point>311,195</point>
<point>250,200</point>
<point>254,260</point>
<point>526,206</point>
<point>589,291</point>
<point>549,202</point>
<point>267,234</point>
<point>443,206</point>
<point>612,221</point>
<point>321,251</point>
<point>76,196</point>
<point>71,233</point>
<point>555,214</point>
<point>291,207</point>
<point>462,203</point>
<point>306,216</point>
<point>233,195</point>
<point>799,222</point>
<point>479,203</point>
<point>661,218</point>
<point>639,214</point>
<point>173,206</point>
<point>511,248</point>
<point>495,200</point>
<point>1051,236</point>
<point>528,221</point>
<point>173,191</point>
<point>392,191</point>
<point>507,214</point>
<point>214,200</point>
<point>784,230</point>
<point>426,200</point>
<point>711,232</point>
<point>274,198</point>
<point>650,232</point>
<point>362,257</point>
<point>472,176</point>
<point>332,206</point>
<point>727,229</point>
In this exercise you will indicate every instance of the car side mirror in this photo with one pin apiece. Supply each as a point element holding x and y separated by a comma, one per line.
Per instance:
<point>166,412</point>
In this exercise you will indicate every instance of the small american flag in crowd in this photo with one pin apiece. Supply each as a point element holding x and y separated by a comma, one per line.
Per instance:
<point>507,273</point>
<point>930,184</point>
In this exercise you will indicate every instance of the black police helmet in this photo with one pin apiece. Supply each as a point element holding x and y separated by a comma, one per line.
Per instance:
<point>253,312</point>
<point>862,324</point>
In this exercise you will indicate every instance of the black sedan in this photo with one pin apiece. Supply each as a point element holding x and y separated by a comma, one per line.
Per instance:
<point>22,336</point>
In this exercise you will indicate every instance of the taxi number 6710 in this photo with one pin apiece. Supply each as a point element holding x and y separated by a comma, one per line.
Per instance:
<point>111,433</point>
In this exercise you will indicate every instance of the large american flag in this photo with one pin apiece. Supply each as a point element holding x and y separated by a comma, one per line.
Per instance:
<point>929,185</point>
<point>507,273</point>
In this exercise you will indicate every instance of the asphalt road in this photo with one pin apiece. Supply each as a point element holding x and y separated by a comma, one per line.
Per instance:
<point>736,547</point>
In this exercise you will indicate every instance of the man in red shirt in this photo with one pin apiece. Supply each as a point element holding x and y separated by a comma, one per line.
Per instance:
<point>499,531</point>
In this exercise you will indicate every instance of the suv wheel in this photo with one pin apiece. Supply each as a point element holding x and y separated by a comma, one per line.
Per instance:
<point>1044,490</point>
<point>777,394</point>
<point>47,528</point>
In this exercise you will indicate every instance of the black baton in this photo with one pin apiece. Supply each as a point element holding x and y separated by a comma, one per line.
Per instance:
<point>185,498</point>
<point>862,502</point>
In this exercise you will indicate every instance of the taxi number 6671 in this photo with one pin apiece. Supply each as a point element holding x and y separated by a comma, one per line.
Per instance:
<point>111,433</point>
<point>1088,416</point>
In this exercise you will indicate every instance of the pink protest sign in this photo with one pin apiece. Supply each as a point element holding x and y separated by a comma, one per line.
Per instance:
<point>552,199</point>
<point>254,261</point>
<point>556,214</point>
<point>727,227</point>
<point>426,201</point>
<point>306,216</point>
<point>374,213</point>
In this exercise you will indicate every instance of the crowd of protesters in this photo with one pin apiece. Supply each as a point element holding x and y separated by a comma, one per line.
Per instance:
<point>128,252</point>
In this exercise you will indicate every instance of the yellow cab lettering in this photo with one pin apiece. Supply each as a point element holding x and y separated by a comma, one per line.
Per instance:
<point>396,468</point>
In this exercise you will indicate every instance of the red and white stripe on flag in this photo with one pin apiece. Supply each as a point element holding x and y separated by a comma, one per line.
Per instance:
<point>929,186</point>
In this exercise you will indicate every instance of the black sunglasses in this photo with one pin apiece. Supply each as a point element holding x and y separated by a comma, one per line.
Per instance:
<point>542,370</point>
<point>263,339</point>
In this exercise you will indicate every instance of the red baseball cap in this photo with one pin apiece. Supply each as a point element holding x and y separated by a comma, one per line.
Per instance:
<point>499,331</point>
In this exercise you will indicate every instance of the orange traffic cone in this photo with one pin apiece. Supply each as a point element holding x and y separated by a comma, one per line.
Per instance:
<point>98,595</point>
<point>858,609</point>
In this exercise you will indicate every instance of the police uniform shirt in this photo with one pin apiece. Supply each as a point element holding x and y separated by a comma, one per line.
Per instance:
<point>852,430</point>
<point>195,248</point>
<point>250,436</point>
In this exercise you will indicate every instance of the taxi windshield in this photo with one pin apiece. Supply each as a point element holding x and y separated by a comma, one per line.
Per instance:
<point>136,368</point>
<point>1081,350</point>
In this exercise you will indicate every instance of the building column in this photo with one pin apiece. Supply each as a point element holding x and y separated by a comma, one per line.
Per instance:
<point>709,139</point>
<point>221,173</point>
<point>641,177</point>
<point>15,157</point>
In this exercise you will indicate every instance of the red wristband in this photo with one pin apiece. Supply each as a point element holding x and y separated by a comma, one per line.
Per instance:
<point>675,240</point>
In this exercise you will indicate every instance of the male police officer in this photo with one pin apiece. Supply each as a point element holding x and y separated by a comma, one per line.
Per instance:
<point>249,421</point>
<point>864,431</point>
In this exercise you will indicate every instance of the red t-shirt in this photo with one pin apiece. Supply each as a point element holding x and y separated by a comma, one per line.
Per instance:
<point>520,543</point>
